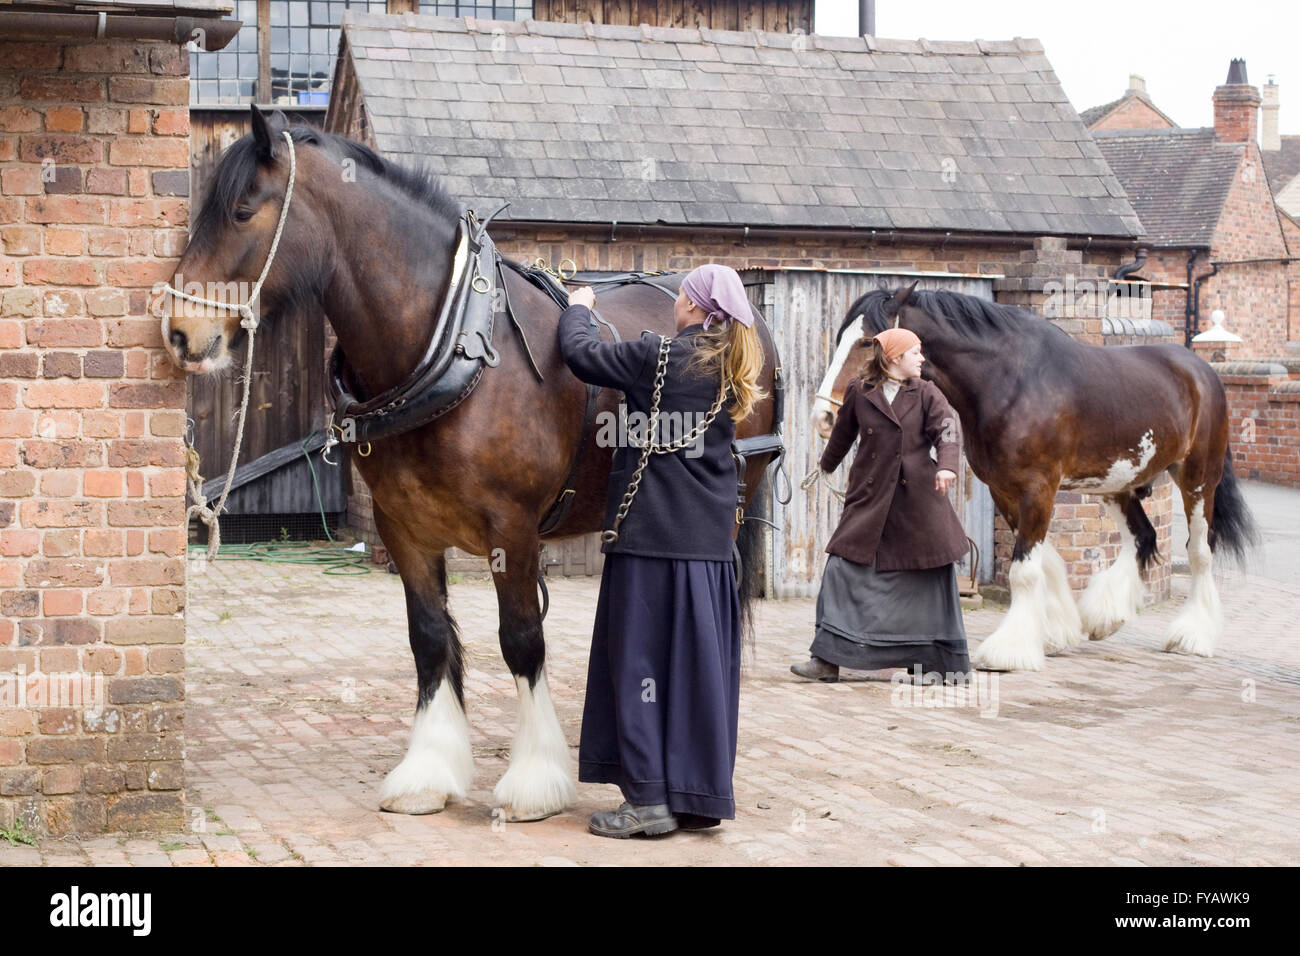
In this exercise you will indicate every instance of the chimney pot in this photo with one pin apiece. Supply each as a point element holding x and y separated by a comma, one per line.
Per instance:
<point>1269,135</point>
<point>1235,106</point>
<point>1136,84</point>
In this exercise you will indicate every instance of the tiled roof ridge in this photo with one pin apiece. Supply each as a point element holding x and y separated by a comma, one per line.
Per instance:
<point>1018,46</point>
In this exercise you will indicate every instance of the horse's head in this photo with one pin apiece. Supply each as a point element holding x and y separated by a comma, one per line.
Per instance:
<point>232,239</point>
<point>874,312</point>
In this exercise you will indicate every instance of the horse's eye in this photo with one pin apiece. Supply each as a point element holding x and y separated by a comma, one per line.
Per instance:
<point>243,214</point>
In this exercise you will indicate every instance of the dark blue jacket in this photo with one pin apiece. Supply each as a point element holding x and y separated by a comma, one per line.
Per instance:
<point>686,506</point>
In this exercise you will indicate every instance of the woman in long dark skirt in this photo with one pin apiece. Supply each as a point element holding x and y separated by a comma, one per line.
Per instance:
<point>888,596</point>
<point>663,681</point>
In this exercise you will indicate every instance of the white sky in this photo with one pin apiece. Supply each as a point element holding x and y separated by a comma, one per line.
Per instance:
<point>1181,48</point>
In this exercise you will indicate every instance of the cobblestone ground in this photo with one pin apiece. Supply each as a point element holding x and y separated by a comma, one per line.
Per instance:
<point>301,690</point>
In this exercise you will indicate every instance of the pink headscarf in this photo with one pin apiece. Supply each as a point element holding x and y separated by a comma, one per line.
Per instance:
<point>720,293</point>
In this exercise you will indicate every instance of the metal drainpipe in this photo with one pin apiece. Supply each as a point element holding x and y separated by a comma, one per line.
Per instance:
<point>1196,302</point>
<point>216,33</point>
<point>1123,272</point>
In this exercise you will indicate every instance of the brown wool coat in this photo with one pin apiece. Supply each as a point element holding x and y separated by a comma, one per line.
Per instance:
<point>893,516</point>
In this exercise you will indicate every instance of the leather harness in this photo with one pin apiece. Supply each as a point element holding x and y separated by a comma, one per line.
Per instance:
<point>460,347</point>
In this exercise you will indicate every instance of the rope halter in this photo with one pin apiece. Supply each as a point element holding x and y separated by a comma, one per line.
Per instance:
<point>248,318</point>
<point>209,515</point>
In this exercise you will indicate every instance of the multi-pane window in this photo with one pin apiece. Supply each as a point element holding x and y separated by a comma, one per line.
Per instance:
<point>507,10</point>
<point>304,39</point>
<point>229,75</point>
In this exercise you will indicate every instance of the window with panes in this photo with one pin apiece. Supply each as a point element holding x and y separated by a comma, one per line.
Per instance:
<point>304,39</point>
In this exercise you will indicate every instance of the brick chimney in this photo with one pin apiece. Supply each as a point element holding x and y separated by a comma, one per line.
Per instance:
<point>1269,138</point>
<point>1235,105</point>
<point>1136,84</point>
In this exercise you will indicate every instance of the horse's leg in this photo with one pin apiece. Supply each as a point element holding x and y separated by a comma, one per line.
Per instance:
<point>539,781</point>
<point>439,763</point>
<point>1042,613</point>
<point>1198,626</point>
<point>1115,595</point>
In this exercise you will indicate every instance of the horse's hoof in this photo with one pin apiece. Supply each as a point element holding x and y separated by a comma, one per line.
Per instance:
<point>414,804</point>
<point>526,816</point>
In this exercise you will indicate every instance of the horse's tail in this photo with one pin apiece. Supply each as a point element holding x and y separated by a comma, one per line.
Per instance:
<point>749,545</point>
<point>1232,527</point>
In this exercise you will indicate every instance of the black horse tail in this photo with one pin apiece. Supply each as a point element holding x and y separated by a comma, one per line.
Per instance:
<point>749,581</point>
<point>1232,528</point>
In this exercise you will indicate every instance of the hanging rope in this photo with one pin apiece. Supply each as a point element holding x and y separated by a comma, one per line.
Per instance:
<point>248,321</point>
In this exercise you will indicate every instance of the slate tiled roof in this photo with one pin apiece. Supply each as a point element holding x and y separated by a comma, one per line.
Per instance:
<point>1176,179</point>
<point>596,123</point>
<point>1282,165</point>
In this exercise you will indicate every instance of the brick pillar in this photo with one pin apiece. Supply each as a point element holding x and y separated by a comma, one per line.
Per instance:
<point>94,159</point>
<point>1054,282</point>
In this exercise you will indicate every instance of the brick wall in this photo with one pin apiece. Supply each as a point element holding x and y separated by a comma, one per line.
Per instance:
<point>1264,409</point>
<point>1132,113</point>
<point>94,156</point>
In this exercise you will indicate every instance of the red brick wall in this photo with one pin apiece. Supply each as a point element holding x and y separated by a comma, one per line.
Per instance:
<point>1265,437</point>
<point>1132,114</point>
<point>94,156</point>
<point>1256,297</point>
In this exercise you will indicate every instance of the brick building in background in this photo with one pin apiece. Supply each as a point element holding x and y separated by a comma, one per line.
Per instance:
<point>1133,110</point>
<point>1216,237</point>
<point>94,204</point>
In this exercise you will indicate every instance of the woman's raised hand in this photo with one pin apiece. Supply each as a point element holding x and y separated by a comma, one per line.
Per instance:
<point>943,480</point>
<point>584,296</point>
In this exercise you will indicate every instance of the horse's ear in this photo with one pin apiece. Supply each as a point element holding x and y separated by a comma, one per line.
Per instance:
<point>261,135</point>
<point>899,299</point>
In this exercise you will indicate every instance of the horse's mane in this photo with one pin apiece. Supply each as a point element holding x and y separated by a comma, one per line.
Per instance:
<point>239,165</point>
<point>967,315</point>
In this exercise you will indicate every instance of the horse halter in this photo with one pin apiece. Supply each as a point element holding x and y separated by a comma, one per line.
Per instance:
<point>248,318</point>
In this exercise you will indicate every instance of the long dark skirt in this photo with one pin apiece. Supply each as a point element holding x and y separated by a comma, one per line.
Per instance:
<point>870,620</point>
<point>663,684</point>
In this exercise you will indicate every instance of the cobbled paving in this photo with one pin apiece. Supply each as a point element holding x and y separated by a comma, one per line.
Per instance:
<point>300,693</point>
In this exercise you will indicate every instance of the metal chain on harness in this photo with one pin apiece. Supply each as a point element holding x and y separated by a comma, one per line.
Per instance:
<point>652,445</point>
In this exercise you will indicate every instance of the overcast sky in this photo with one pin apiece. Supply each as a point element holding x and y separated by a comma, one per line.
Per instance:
<point>1181,48</point>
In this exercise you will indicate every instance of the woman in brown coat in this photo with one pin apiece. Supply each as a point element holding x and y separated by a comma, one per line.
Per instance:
<point>888,596</point>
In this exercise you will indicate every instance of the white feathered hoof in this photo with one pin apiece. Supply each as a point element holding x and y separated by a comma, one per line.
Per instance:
<point>439,764</point>
<point>1192,633</point>
<point>415,804</point>
<point>533,791</point>
<point>1006,650</point>
<point>1062,628</point>
<point>1103,611</point>
<point>538,783</point>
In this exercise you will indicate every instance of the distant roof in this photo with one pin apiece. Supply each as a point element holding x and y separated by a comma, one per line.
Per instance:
<point>1095,114</point>
<point>595,123</point>
<point>156,8</point>
<point>1282,165</point>
<point>1177,180</point>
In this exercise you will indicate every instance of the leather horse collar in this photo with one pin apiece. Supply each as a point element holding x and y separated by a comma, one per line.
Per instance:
<point>459,346</point>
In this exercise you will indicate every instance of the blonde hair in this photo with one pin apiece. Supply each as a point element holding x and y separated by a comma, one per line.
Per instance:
<point>737,350</point>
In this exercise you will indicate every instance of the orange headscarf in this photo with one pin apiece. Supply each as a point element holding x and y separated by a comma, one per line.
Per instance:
<point>894,342</point>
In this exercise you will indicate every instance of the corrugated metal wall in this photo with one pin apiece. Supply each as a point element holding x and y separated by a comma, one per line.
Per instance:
<point>805,308</point>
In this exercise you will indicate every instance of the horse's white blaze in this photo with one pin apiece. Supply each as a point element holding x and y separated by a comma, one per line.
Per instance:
<point>1062,628</point>
<point>1123,472</point>
<point>850,337</point>
<point>1197,627</point>
<point>538,781</point>
<point>439,763</point>
<point>1113,595</point>
<point>1017,644</point>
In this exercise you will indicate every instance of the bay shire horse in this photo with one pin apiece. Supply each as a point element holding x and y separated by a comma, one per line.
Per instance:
<point>1042,412</point>
<point>389,258</point>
